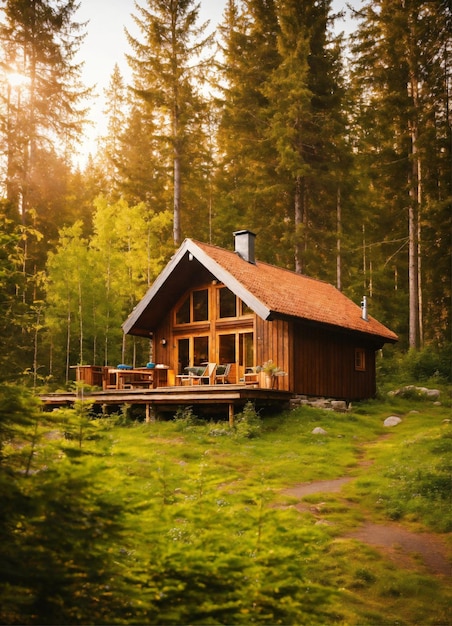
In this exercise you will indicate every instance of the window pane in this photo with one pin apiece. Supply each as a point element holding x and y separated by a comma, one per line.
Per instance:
<point>227,349</point>
<point>183,312</point>
<point>183,346</point>
<point>200,305</point>
<point>360,360</point>
<point>227,303</point>
<point>244,308</point>
<point>200,350</point>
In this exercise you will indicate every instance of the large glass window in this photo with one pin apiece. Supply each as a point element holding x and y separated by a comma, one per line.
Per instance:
<point>192,351</point>
<point>227,303</point>
<point>183,312</point>
<point>230,305</point>
<point>246,350</point>
<point>200,305</point>
<point>226,352</point>
<point>200,350</point>
<point>195,308</point>
<point>183,357</point>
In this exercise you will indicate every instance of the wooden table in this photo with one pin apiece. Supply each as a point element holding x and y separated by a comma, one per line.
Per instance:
<point>145,377</point>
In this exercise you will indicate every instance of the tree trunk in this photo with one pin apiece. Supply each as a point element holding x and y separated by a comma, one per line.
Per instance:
<point>301,220</point>
<point>339,237</point>
<point>177,171</point>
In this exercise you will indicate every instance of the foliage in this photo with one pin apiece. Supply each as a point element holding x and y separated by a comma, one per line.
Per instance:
<point>429,364</point>
<point>185,418</point>
<point>168,68</point>
<point>248,423</point>
<point>87,305</point>
<point>150,523</point>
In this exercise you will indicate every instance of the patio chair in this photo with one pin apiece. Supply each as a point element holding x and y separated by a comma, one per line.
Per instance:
<point>198,376</point>
<point>222,373</point>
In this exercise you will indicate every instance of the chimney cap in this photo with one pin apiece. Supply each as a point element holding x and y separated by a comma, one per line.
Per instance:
<point>244,245</point>
<point>243,232</point>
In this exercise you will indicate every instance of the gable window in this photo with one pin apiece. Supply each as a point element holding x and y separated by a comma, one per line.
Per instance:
<point>227,303</point>
<point>194,308</point>
<point>200,305</point>
<point>183,312</point>
<point>360,360</point>
<point>230,305</point>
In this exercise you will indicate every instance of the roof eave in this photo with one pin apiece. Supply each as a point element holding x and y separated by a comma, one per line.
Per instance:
<point>154,289</point>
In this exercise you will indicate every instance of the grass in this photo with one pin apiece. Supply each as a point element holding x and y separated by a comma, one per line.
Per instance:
<point>235,484</point>
<point>207,536</point>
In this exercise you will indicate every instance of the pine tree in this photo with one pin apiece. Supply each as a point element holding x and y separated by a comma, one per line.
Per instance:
<point>401,61</point>
<point>247,190</point>
<point>168,67</point>
<point>41,83</point>
<point>307,127</point>
<point>116,111</point>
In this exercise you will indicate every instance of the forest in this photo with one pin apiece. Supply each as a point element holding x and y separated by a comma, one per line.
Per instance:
<point>335,150</point>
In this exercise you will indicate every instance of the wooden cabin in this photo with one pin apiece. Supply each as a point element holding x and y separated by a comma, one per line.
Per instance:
<point>211,305</point>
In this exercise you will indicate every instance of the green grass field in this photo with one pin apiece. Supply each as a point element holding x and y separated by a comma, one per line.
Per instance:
<point>186,522</point>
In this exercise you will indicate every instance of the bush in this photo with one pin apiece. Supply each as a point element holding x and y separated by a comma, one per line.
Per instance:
<point>248,424</point>
<point>185,418</point>
<point>418,365</point>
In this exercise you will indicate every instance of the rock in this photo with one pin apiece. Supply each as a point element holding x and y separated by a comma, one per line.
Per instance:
<point>446,420</point>
<point>393,420</point>
<point>411,391</point>
<point>339,405</point>
<point>319,431</point>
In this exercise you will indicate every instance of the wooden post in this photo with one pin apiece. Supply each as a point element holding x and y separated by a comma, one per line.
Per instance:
<point>150,414</point>
<point>231,415</point>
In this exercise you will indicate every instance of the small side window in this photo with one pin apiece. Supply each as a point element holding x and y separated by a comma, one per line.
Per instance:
<point>360,360</point>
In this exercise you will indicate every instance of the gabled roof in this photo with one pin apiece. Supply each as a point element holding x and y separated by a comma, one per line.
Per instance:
<point>268,290</point>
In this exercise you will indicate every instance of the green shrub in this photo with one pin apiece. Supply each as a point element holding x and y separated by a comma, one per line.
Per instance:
<point>430,363</point>
<point>185,418</point>
<point>248,424</point>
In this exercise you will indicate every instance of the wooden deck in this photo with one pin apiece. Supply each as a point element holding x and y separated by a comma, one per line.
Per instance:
<point>167,399</point>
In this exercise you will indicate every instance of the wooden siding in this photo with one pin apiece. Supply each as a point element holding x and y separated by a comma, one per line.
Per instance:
<point>317,361</point>
<point>324,365</point>
<point>273,342</point>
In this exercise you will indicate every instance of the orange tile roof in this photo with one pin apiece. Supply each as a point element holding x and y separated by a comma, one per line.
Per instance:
<point>286,293</point>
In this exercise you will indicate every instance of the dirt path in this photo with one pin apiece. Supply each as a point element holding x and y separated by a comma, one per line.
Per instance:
<point>395,542</point>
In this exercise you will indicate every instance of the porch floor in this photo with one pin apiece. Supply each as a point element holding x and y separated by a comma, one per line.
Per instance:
<point>167,399</point>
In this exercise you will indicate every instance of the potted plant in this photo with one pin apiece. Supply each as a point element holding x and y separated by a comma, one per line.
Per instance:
<point>270,370</point>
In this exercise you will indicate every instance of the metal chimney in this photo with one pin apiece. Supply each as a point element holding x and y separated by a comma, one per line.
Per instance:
<point>364,309</point>
<point>244,245</point>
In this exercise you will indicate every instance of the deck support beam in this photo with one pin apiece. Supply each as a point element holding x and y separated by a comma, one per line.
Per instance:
<point>151,413</point>
<point>231,414</point>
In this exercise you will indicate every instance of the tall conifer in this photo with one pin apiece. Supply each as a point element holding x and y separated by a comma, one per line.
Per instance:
<point>401,58</point>
<point>168,67</point>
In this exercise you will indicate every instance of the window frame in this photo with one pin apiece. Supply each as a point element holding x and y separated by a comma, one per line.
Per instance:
<point>190,297</point>
<point>360,360</point>
<point>241,309</point>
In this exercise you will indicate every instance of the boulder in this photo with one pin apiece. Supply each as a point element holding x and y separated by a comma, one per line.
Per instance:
<point>393,420</point>
<point>339,405</point>
<point>319,431</point>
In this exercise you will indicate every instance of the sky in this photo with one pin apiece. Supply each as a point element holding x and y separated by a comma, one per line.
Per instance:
<point>105,45</point>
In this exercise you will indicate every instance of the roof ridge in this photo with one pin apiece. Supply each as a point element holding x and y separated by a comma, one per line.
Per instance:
<point>272,265</point>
